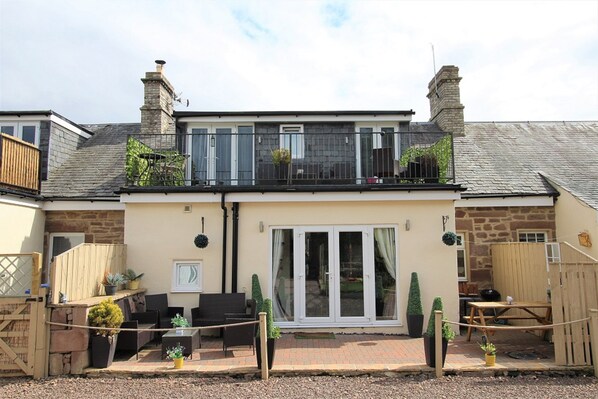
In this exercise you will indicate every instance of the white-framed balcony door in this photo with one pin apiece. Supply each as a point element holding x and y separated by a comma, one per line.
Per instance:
<point>333,266</point>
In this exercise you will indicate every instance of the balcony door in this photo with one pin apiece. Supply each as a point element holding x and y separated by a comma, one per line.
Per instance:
<point>221,155</point>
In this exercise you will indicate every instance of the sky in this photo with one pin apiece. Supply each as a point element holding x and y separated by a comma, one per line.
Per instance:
<point>519,60</point>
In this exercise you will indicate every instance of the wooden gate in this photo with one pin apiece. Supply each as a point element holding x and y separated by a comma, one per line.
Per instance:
<point>23,337</point>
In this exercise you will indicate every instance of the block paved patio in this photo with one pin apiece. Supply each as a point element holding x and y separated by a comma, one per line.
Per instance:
<point>351,354</point>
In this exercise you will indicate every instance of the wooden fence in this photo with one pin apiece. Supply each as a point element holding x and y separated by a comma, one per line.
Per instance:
<point>574,292</point>
<point>23,313</point>
<point>78,273</point>
<point>19,164</point>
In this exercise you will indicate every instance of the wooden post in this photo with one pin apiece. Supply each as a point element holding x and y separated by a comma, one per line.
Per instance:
<point>594,338</point>
<point>264,345</point>
<point>36,273</point>
<point>41,356</point>
<point>438,342</point>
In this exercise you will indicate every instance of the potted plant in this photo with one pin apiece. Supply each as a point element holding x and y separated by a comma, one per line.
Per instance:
<point>272,334</point>
<point>415,313</point>
<point>179,322</point>
<point>111,282</point>
<point>176,354</point>
<point>132,279</point>
<point>429,343</point>
<point>281,158</point>
<point>490,353</point>
<point>108,315</point>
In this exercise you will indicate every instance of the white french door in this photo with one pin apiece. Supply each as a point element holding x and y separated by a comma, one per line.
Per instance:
<point>333,268</point>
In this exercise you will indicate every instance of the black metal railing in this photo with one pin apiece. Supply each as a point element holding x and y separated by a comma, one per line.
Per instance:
<point>265,159</point>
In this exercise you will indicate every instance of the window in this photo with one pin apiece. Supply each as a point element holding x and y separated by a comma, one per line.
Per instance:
<point>461,258</point>
<point>291,138</point>
<point>532,236</point>
<point>26,131</point>
<point>187,276</point>
<point>62,242</point>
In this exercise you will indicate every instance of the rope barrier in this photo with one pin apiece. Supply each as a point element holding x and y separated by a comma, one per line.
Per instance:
<point>52,323</point>
<point>489,327</point>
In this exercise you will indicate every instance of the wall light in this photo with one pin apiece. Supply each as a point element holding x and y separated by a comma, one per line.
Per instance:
<point>407,225</point>
<point>261,226</point>
<point>212,141</point>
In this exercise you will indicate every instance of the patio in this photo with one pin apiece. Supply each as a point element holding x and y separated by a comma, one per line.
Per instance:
<point>351,355</point>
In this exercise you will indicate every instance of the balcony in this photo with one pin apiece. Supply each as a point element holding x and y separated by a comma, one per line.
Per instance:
<point>265,159</point>
<point>19,165</point>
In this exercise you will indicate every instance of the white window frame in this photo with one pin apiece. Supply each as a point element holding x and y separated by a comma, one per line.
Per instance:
<point>535,233</point>
<point>461,245</point>
<point>178,286</point>
<point>299,151</point>
<point>18,129</point>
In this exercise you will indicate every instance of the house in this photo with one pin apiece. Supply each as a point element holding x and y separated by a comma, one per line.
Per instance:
<point>331,209</point>
<point>526,181</point>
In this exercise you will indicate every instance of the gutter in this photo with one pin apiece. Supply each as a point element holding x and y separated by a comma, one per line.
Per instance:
<point>224,240</point>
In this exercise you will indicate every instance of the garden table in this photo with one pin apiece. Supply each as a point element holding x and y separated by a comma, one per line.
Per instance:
<point>533,310</point>
<point>190,339</point>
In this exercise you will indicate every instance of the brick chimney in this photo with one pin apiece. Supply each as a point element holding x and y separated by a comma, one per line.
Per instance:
<point>156,112</point>
<point>445,102</point>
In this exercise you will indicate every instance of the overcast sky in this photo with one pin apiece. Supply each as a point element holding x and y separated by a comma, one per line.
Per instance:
<point>519,60</point>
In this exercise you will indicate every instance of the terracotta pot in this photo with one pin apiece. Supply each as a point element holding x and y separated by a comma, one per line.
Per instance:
<point>490,360</point>
<point>178,362</point>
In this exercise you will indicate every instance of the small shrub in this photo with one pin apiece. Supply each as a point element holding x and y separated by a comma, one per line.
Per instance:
<point>106,314</point>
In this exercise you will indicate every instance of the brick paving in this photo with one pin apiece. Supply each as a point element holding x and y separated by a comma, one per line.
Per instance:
<point>349,354</point>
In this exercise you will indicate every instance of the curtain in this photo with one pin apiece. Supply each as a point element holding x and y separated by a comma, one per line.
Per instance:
<point>385,242</point>
<point>199,154</point>
<point>277,251</point>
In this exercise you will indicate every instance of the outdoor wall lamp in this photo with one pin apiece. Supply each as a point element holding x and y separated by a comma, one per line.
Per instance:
<point>261,226</point>
<point>212,141</point>
<point>407,225</point>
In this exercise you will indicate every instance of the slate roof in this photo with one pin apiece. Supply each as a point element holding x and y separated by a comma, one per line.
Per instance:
<point>97,168</point>
<point>511,158</point>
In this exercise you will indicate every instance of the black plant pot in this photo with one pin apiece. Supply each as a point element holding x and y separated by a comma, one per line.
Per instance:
<point>102,350</point>
<point>271,350</point>
<point>430,349</point>
<point>110,289</point>
<point>415,324</point>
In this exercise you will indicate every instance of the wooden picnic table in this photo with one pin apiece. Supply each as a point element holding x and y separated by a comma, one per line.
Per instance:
<point>478,316</point>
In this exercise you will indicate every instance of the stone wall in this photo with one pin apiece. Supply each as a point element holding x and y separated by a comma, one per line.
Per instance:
<point>483,227</point>
<point>157,109</point>
<point>445,100</point>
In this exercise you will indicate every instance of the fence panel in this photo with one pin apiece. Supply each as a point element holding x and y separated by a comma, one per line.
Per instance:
<point>78,273</point>
<point>574,291</point>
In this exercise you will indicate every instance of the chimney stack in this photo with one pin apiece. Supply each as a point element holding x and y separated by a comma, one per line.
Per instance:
<point>446,109</point>
<point>157,108</point>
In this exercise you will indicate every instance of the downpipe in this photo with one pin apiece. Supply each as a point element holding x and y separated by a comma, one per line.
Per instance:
<point>224,239</point>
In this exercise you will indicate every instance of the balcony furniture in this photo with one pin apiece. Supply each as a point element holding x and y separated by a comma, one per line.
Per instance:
<point>135,340</point>
<point>240,335</point>
<point>213,307</point>
<point>383,162</point>
<point>189,339</point>
<point>159,304</point>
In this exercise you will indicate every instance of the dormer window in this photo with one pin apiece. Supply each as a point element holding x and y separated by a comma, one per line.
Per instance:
<point>26,131</point>
<point>291,138</point>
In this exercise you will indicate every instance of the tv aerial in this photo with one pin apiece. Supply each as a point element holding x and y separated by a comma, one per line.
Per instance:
<point>180,100</point>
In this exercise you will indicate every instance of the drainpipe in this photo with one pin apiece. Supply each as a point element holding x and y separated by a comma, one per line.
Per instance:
<point>224,236</point>
<point>235,246</point>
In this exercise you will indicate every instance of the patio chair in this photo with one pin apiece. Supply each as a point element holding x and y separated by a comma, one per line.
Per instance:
<point>135,340</point>
<point>215,308</point>
<point>159,303</point>
<point>241,335</point>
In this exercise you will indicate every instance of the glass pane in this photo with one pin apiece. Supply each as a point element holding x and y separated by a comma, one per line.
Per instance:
<point>223,156</point>
<point>245,155</point>
<point>385,271</point>
<point>62,244</point>
<point>10,130</point>
<point>351,273</point>
<point>367,145</point>
<point>317,290</point>
<point>283,300</point>
<point>199,156</point>
<point>388,137</point>
<point>29,134</point>
<point>461,264</point>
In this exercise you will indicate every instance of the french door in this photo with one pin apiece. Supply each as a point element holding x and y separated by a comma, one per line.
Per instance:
<point>333,274</point>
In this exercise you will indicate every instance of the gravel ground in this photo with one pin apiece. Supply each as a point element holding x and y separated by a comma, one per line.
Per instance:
<point>303,387</point>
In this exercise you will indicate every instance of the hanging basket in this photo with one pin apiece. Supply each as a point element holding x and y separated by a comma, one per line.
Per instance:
<point>449,238</point>
<point>201,241</point>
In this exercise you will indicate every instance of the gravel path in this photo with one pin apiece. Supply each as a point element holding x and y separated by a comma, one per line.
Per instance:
<point>303,387</point>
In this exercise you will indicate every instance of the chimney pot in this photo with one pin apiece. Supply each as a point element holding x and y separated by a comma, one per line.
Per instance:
<point>160,65</point>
